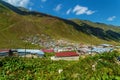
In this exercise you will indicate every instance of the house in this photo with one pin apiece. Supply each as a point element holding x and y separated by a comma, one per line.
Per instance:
<point>8,52</point>
<point>48,50</point>
<point>83,50</point>
<point>105,45</point>
<point>66,56</point>
<point>101,50</point>
<point>4,52</point>
<point>61,49</point>
<point>24,52</point>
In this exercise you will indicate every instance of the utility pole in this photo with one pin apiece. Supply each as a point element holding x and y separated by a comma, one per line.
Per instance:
<point>25,47</point>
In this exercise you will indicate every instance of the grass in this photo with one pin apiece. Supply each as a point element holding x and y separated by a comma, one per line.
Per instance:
<point>98,25</point>
<point>106,68</point>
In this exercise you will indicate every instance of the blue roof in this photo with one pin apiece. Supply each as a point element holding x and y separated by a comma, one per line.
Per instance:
<point>3,54</point>
<point>39,52</point>
<point>101,50</point>
<point>106,45</point>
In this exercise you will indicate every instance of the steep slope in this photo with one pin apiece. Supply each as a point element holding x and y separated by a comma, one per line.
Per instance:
<point>98,25</point>
<point>16,25</point>
<point>103,31</point>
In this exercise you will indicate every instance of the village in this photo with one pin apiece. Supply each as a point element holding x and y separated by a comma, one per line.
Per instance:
<point>61,49</point>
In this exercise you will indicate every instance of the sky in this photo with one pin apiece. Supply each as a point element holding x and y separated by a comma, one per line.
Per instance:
<point>103,11</point>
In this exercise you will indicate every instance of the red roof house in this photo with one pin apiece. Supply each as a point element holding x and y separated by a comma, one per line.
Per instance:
<point>48,50</point>
<point>66,54</point>
<point>4,50</point>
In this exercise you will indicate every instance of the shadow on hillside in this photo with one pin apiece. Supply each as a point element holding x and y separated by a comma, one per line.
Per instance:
<point>115,34</point>
<point>85,28</point>
<point>98,32</point>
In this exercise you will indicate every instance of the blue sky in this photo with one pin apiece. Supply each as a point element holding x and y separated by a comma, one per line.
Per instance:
<point>104,11</point>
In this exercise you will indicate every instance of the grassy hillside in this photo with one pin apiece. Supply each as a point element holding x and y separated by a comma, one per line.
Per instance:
<point>97,25</point>
<point>16,24</point>
<point>106,67</point>
<point>99,30</point>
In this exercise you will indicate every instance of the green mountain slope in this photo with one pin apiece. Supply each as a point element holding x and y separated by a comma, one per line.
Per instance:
<point>17,24</point>
<point>98,25</point>
<point>107,32</point>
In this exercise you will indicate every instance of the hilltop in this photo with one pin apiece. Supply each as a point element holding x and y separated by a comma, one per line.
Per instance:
<point>17,24</point>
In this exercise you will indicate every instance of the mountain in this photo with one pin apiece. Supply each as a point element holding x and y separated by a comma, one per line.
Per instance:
<point>103,31</point>
<point>18,24</point>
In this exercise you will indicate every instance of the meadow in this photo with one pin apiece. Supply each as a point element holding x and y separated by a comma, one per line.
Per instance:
<point>103,66</point>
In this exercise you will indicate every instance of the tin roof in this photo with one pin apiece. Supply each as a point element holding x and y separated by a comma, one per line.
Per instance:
<point>30,51</point>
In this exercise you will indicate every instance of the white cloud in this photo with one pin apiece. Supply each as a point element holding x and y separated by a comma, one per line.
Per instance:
<point>58,7</point>
<point>43,0</point>
<point>89,12</point>
<point>68,11</point>
<point>111,18</point>
<point>78,10</point>
<point>22,3</point>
